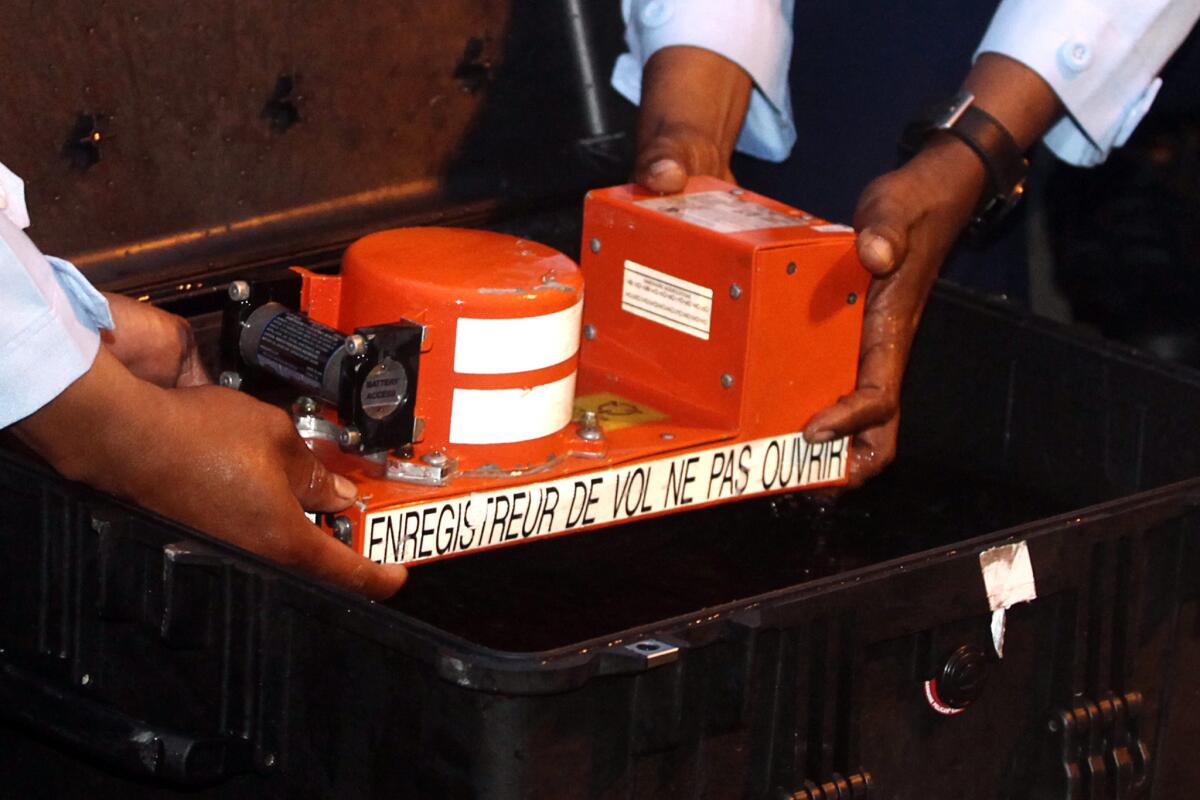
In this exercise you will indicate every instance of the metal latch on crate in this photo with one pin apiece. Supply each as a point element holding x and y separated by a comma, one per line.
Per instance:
<point>853,787</point>
<point>1103,754</point>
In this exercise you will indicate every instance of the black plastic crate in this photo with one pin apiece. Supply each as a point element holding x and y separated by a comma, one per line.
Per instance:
<point>773,648</point>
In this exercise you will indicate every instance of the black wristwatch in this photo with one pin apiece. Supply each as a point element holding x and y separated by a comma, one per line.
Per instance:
<point>1003,160</point>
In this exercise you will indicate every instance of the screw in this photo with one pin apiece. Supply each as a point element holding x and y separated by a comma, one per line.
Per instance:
<point>350,438</point>
<point>230,380</point>
<point>239,291</point>
<point>791,268</point>
<point>356,345</point>
<point>735,291</point>
<point>589,332</point>
<point>343,530</point>
<point>589,427</point>
<point>434,459</point>
<point>304,407</point>
<point>852,298</point>
<point>727,380</point>
<point>594,245</point>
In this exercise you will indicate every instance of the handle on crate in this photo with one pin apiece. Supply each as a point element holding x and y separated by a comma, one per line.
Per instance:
<point>115,739</point>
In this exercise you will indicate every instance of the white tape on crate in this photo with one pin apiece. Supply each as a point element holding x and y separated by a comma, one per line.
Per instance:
<point>1008,579</point>
<point>502,346</point>
<point>500,416</point>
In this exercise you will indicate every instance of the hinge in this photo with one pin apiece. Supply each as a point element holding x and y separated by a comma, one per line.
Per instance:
<point>1103,755</point>
<point>854,787</point>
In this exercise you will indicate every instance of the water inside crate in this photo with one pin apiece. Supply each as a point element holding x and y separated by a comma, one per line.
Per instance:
<point>550,594</point>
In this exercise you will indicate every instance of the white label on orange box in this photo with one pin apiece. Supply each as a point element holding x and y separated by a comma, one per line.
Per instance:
<point>723,212</point>
<point>501,346</point>
<point>425,531</point>
<point>500,416</point>
<point>667,300</point>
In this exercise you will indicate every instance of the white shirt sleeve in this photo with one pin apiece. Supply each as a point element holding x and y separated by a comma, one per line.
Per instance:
<point>755,34</point>
<point>1102,58</point>
<point>50,315</point>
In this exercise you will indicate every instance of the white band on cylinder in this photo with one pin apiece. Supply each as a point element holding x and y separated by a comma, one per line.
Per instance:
<point>500,416</point>
<point>502,346</point>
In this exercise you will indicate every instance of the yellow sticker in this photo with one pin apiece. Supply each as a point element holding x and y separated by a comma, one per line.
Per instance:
<point>615,412</point>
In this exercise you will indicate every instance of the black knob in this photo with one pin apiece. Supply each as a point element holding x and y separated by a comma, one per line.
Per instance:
<point>962,678</point>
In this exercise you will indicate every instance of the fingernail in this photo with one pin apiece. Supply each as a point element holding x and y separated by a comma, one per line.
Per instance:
<point>820,437</point>
<point>878,248</point>
<point>344,487</point>
<point>663,166</point>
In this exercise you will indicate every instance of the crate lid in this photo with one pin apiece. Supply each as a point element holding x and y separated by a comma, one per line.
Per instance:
<point>164,139</point>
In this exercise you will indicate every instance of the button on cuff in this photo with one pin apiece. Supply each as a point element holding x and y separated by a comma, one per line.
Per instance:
<point>1075,55</point>
<point>656,13</point>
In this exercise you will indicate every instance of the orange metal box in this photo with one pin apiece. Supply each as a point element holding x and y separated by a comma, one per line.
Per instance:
<point>714,324</point>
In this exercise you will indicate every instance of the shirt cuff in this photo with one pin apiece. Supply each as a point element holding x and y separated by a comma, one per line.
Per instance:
<point>53,317</point>
<point>1100,58</point>
<point>754,34</point>
<point>56,349</point>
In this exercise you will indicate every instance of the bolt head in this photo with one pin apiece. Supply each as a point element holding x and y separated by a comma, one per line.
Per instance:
<point>349,438</point>
<point>594,245</point>
<point>434,459</point>
<point>239,291</point>
<point>304,407</point>
<point>356,345</point>
<point>727,380</point>
<point>230,380</point>
<point>735,291</point>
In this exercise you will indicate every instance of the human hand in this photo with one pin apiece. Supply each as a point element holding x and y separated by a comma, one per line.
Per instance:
<point>693,105</point>
<point>907,220</point>
<point>208,457</point>
<point>153,344</point>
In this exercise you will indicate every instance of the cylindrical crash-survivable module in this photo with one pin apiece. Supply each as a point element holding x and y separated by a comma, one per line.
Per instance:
<point>502,318</point>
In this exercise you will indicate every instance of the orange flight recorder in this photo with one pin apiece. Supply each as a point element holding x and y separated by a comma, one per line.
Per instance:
<point>483,390</point>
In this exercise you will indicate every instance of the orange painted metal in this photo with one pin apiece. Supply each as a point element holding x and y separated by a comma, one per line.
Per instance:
<point>782,337</point>
<point>437,276</point>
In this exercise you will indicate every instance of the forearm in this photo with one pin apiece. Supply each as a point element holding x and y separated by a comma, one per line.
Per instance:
<point>1015,95</point>
<point>694,88</point>
<point>96,425</point>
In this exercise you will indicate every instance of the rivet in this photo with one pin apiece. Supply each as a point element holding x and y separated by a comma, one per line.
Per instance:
<point>852,298</point>
<point>735,291</point>
<point>85,679</point>
<point>791,268</point>
<point>727,380</point>
<point>594,245</point>
<point>589,332</point>
<point>666,435</point>
<point>239,291</point>
<point>738,192</point>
